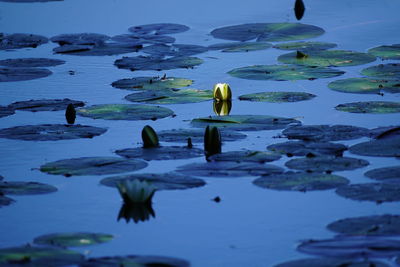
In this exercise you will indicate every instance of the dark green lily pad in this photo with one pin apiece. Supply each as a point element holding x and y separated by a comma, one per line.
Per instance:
<point>377,225</point>
<point>50,132</point>
<point>102,49</point>
<point>159,29</point>
<point>125,112</point>
<point>384,71</point>
<point>5,201</point>
<point>387,147</point>
<point>374,107</point>
<point>365,86</point>
<point>92,166</point>
<point>246,156</point>
<point>303,148</point>
<point>39,256</point>
<point>161,153</point>
<point>284,72</point>
<point>245,122</point>
<point>305,46</point>
<point>25,188</point>
<point>135,261</point>
<point>268,32</point>
<point>151,83</point>
<point>277,97</point>
<point>163,181</point>
<point>21,40</point>
<point>72,239</point>
<point>22,74</point>
<point>196,135</point>
<point>240,47</point>
<point>300,181</point>
<point>330,262</point>
<point>6,111</point>
<point>229,169</point>
<point>174,50</point>
<point>386,51</point>
<point>385,132</point>
<point>171,96</point>
<point>143,39</point>
<point>327,58</point>
<point>45,104</point>
<point>385,175</point>
<point>377,192</point>
<point>326,164</point>
<point>31,62</point>
<point>157,63</point>
<point>80,39</point>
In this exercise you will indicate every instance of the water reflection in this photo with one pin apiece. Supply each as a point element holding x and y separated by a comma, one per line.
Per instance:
<point>222,108</point>
<point>138,212</point>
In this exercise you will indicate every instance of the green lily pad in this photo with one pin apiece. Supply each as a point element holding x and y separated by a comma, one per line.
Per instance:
<point>171,96</point>
<point>385,132</point>
<point>135,261</point>
<point>196,135</point>
<point>305,46</point>
<point>158,29</point>
<point>387,147</point>
<point>21,40</point>
<point>268,32</point>
<point>374,107</point>
<point>284,72</point>
<point>72,239</point>
<point>31,62</point>
<point>157,63</point>
<point>143,39</point>
<point>173,50</point>
<point>365,86</point>
<point>163,181</point>
<point>377,225</point>
<point>129,112</point>
<point>45,104</point>
<point>240,47</point>
<point>79,38</point>
<point>330,262</point>
<point>151,83</point>
<point>300,181</point>
<point>327,58</point>
<point>22,74</point>
<point>385,175</point>
<point>245,122</point>
<point>161,153</point>
<point>92,166</point>
<point>326,164</point>
<point>101,49</point>
<point>50,132</point>
<point>25,188</point>
<point>277,97</point>
<point>6,111</point>
<point>39,256</point>
<point>384,71</point>
<point>228,169</point>
<point>246,156</point>
<point>386,51</point>
<point>377,192</point>
<point>303,148</point>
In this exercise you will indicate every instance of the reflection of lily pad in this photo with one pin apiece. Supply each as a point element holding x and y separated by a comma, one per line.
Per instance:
<point>92,166</point>
<point>284,72</point>
<point>51,132</point>
<point>365,86</point>
<point>30,62</point>
<point>245,156</point>
<point>330,262</point>
<point>325,132</point>
<point>196,135</point>
<point>6,111</point>
<point>384,71</point>
<point>5,201</point>
<point>102,49</point>
<point>158,28</point>
<point>305,46</point>
<point>125,112</point>
<point>72,239</point>
<point>25,188</point>
<point>21,40</point>
<point>163,181</point>
<point>240,47</point>
<point>170,96</point>
<point>302,148</point>
<point>245,122</point>
<point>375,107</point>
<point>135,261</point>
<point>386,51</point>
<point>79,38</point>
<point>157,63</point>
<point>160,153</point>
<point>163,50</point>
<point>269,32</point>
<point>377,192</point>
<point>45,104</point>
<point>326,164</point>
<point>387,147</point>
<point>277,97</point>
<point>386,175</point>
<point>22,74</point>
<point>151,83</point>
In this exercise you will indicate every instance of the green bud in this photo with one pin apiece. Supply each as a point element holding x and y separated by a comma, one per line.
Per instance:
<point>70,114</point>
<point>212,141</point>
<point>149,137</point>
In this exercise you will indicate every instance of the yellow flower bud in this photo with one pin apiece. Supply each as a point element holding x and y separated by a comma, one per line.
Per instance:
<point>222,92</point>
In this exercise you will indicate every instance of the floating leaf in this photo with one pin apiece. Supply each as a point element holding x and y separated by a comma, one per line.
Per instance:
<point>386,51</point>
<point>302,148</point>
<point>385,132</point>
<point>151,83</point>
<point>326,164</point>
<point>135,261</point>
<point>6,111</point>
<point>196,135</point>
<point>377,192</point>
<point>325,132</point>
<point>72,239</point>
<point>305,46</point>
<point>375,107</point>
<point>174,50</point>
<point>5,201</point>
<point>330,262</point>
<point>385,175</point>
<point>92,166</point>
<point>157,63</point>
<point>45,104</point>
<point>388,147</point>
<point>160,153</point>
<point>80,39</point>
<point>22,74</point>
<point>25,188</point>
<point>240,47</point>
<point>158,28</point>
<point>21,40</point>
<point>170,96</point>
<point>28,1</point>
<point>102,49</point>
<point>383,71</point>
<point>143,39</point>
<point>277,97</point>
<point>365,86</point>
<point>30,62</point>
<point>246,156</point>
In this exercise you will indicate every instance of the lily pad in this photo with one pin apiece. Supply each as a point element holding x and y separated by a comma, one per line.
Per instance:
<point>300,181</point>
<point>377,192</point>
<point>277,97</point>
<point>159,29</point>
<point>21,40</point>
<point>135,261</point>
<point>28,1</point>
<point>303,148</point>
<point>326,164</point>
<point>268,32</point>
<point>386,51</point>
<point>240,47</point>
<point>377,225</point>
<point>143,39</point>
<point>387,147</point>
<point>385,175</point>
<point>79,39</point>
<point>50,132</point>
<point>170,96</point>
<point>25,188</point>
<point>102,49</point>
<point>151,83</point>
<point>246,156</point>
<point>163,181</point>
<point>157,63</point>
<point>327,58</point>
<point>284,72</point>
<point>365,86</point>
<point>5,201</point>
<point>305,46</point>
<point>330,262</point>
<point>196,135</point>
<point>174,50</point>
<point>31,62</point>
<point>72,239</point>
<point>384,71</point>
<point>6,111</point>
<point>245,122</point>
<point>22,74</point>
<point>374,107</point>
<point>161,153</point>
<point>92,166</point>
<point>125,112</point>
<point>45,104</point>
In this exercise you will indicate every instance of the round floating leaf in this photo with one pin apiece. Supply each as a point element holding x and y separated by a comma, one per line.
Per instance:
<point>22,74</point>
<point>386,175</point>
<point>325,132</point>
<point>388,147</point>
<point>284,72</point>
<point>151,83</point>
<point>163,50</point>
<point>277,97</point>
<point>143,39</point>
<point>125,112</point>
<point>229,169</point>
<point>244,122</point>
<point>377,192</point>
<point>135,261</point>
<point>92,166</point>
<point>269,32</point>
<point>385,132</point>
<point>102,49</point>
<point>305,46</point>
<point>326,164</point>
<point>365,86</point>
<point>80,39</point>
<point>246,156</point>
<point>196,135</point>
<point>30,62</point>
<point>157,63</point>
<point>327,58</point>
<point>170,96</point>
<point>162,181</point>
<point>50,132</point>
<point>159,28</point>
<point>375,107</point>
<point>299,181</point>
<point>21,40</point>
<point>6,111</point>
<point>386,51</point>
<point>240,47</point>
<point>161,153</point>
<point>302,148</point>
<point>72,239</point>
<point>384,71</point>
<point>5,201</point>
<point>330,262</point>
<point>378,225</point>
<point>45,104</point>
<point>25,188</point>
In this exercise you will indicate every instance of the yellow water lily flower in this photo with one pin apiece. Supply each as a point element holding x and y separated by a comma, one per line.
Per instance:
<point>222,92</point>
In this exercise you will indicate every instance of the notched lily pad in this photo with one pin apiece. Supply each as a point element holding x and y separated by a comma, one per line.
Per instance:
<point>21,40</point>
<point>72,239</point>
<point>277,97</point>
<point>383,71</point>
<point>45,104</point>
<point>303,148</point>
<point>161,153</point>
<point>305,46</point>
<point>151,83</point>
<point>158,29</point>
<point>22,74</point>
<point>330,262</point>
<point>387,147</point>
<point>374,107</point>
<point>6,111</point>
<point>365,86</point>
<point>170,96</point>
<point>240,46</point>
<point>196,135</point>
<point>385,175</point>
<point>31,62</point>
<point>377,192</point>
<point>157,63</point>
<point>25,188</point>
<point>246,156</point>
<point>326,164</point>
<point>324,133</point>
<point>386,51</point>
<point>173,50</point>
